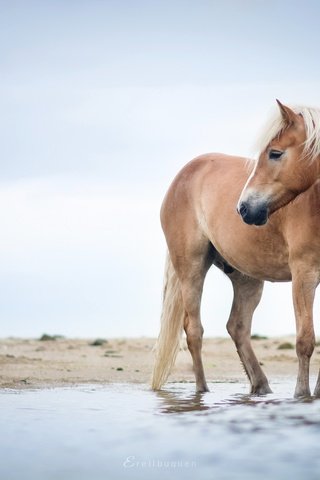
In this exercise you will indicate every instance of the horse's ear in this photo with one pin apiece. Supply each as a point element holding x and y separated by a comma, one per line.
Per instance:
<point>288,115</point>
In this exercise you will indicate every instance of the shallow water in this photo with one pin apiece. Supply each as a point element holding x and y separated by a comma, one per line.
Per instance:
<point>127,431</point>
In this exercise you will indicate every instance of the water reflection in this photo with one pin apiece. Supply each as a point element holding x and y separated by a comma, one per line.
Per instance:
<point>173,402</point>
<point>177,400</point>
<point>239,410</point>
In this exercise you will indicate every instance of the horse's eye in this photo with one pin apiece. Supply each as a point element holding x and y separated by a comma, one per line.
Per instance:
<point>275,154</point>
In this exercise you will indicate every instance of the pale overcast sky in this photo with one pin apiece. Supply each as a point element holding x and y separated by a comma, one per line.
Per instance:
<point>101,103</point>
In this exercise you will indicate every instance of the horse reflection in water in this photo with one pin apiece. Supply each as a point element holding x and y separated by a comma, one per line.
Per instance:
<point>255,222</point>
<point>172,402</point>
<point>180,400</point>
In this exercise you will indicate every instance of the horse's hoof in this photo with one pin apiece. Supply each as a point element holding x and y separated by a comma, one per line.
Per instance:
<point>203,389</point>
<point>316,393</point>
<point>302,395</point>
<point>261,390</point>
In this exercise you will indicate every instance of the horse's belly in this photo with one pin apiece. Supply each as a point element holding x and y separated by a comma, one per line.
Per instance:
<point>260,252</point>
<point>263,268</point>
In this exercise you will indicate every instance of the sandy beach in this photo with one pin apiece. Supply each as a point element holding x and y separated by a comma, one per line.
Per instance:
<point>31,363</point>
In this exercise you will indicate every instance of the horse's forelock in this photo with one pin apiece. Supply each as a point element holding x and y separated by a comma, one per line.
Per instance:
<point>276,125</point>
<point>272,129</point>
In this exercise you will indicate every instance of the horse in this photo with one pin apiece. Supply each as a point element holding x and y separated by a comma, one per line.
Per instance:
<point>255,221</point>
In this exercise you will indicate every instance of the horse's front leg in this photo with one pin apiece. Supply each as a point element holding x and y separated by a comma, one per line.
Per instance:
<point>304,283</point>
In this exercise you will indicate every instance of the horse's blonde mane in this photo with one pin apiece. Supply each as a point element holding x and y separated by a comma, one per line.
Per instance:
<point>276,125</point>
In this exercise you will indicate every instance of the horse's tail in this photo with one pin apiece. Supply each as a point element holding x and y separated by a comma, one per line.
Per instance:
<point>168,342</point>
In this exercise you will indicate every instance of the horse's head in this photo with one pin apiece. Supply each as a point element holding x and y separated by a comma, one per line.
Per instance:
<point>286,166</point>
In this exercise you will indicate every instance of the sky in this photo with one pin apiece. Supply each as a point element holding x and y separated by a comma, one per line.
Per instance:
<point>102,102</point>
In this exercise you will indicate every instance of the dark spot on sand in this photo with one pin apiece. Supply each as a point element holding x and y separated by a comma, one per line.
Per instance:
<point>286,346</point>
<point>99,342</point>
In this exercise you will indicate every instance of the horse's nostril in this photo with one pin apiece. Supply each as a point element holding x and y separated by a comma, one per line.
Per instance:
<point>243,210</point>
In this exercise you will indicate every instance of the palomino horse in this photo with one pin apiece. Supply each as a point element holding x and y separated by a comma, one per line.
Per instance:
<point>202,227</point>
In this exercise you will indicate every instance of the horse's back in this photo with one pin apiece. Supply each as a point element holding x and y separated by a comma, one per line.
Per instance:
<point>212,168</point>
<point>213,174</point>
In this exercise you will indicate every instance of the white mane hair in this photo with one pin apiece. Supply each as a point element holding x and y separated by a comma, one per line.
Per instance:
<point>276,125</point>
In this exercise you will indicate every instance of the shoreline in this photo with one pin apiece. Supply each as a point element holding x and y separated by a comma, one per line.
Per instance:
<point>35,363</point>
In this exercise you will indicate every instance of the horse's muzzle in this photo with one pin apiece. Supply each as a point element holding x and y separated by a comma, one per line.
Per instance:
<point>253,215</point>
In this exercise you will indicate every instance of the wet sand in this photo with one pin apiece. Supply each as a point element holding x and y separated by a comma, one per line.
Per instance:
<point>31,363</point>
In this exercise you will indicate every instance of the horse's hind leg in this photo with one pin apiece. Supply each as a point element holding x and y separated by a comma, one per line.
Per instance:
<point>191,293</point>
<point>192,270</point>
<point>247,295</point>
